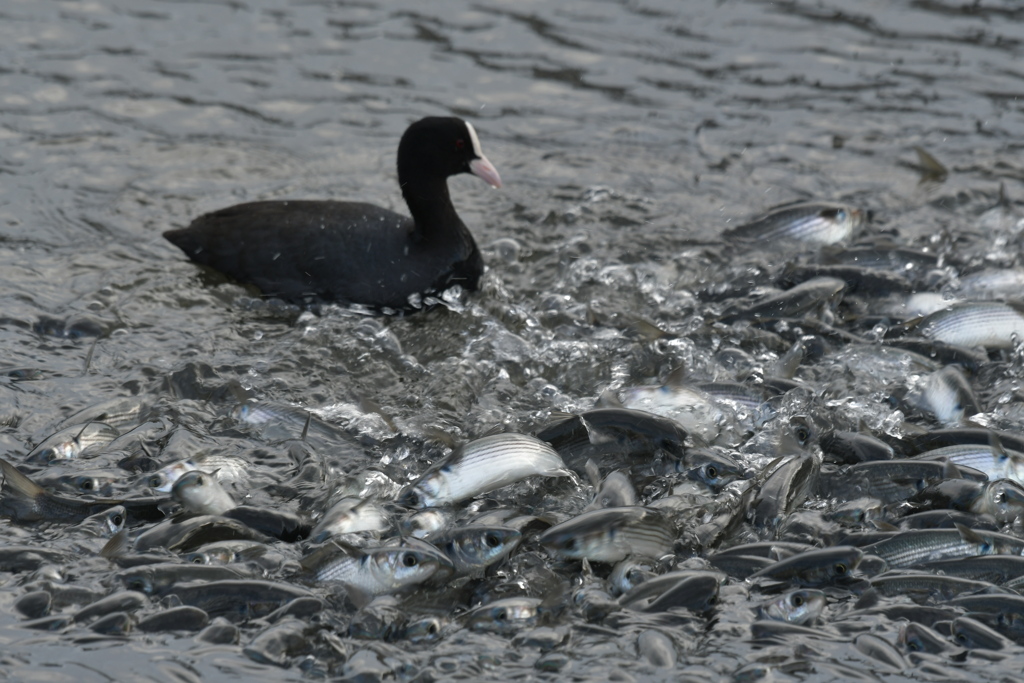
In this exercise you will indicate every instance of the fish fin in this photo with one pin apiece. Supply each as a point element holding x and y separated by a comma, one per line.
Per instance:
<point>676,377</point>
<point>19,483</point>
<point>970,535</point>
<point>368,405</point>
<point>868,599</point>
<point>251,553</point>
<point>585,568</point>
<point>608,399</point>
<point>88,356</point>
<point>117,546</point>
<point>997,446</point>
<point>493,430</point>
<point>358,598</point>
<point>930,167</point>
<point>170,508</point>
<point>305,427</point>
<point>951,471</point>
<point>440,436</point>
<point>788,362</point>
<point>647,331</point>
<point>328,550</point>
<point>593,473</point>
<point>884,526</point>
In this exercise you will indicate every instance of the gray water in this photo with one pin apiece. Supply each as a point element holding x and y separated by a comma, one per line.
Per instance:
<point>628,136</point>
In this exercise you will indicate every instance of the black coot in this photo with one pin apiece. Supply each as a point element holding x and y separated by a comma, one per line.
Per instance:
<point>350,252</point>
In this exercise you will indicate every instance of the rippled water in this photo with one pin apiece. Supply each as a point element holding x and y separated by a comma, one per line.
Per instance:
<point>628,134</point>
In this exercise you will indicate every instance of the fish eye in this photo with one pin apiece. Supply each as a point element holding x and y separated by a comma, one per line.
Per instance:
<point>913,645</point>
<point>840,215</point>
<point>432,629</point>
<point>802,434</point>
<point>492,540</point>
<point>412,498</point>
<point>839,569</point>
<point>409,560</point>
<point>711,471</point>
<point>797,600</point>
<point>712,599</point>
<point>199,480</point>
<point>118,520</point>
<point>86,485</point>
<point>569,544</point>
<point>156,481</point>
<point>501,614</point>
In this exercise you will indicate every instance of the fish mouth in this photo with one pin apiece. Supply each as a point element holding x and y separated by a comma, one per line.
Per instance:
<point>482,168</point>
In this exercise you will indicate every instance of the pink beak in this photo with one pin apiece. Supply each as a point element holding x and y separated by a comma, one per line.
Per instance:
<point>482,168</point>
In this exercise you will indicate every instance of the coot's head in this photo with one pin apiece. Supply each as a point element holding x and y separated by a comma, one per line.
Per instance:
<point>442,146</point>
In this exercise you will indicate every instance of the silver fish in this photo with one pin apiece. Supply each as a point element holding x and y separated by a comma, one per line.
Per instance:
<point>992,459</point>
<point>909,548</point>
<point>484,465</point>
<point>349,515</point>
<point>104,524</point>
<point>225,468</point>
<point>425,630</point>
<point>611,534</point>
<point>948,396</point>
<point>369,572</point>
<point>506,615</point>
<point>800,606</point>
<point>810,222</point>
<point>227,552</point>
<point>422,523</point>
<point>615,491</point>
<point>69,442</point>
<point>117,412</point>
<point>818,567</point>
<point>990,324</point>
<point>695,410</point>
<point>199,492</point>
<point>472,549</point>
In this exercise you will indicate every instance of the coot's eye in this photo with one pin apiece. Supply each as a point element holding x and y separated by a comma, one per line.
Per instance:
<point>410,560</point>
<point>460,144</point>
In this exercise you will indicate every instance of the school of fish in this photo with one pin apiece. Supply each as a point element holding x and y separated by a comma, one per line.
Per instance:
<point>834,486</point>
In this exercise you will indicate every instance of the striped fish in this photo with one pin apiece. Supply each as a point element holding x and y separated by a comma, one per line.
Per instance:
<point>611,534</point>
<point>484,465</point>
<point>810,222</point>
<point>990,324</point>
